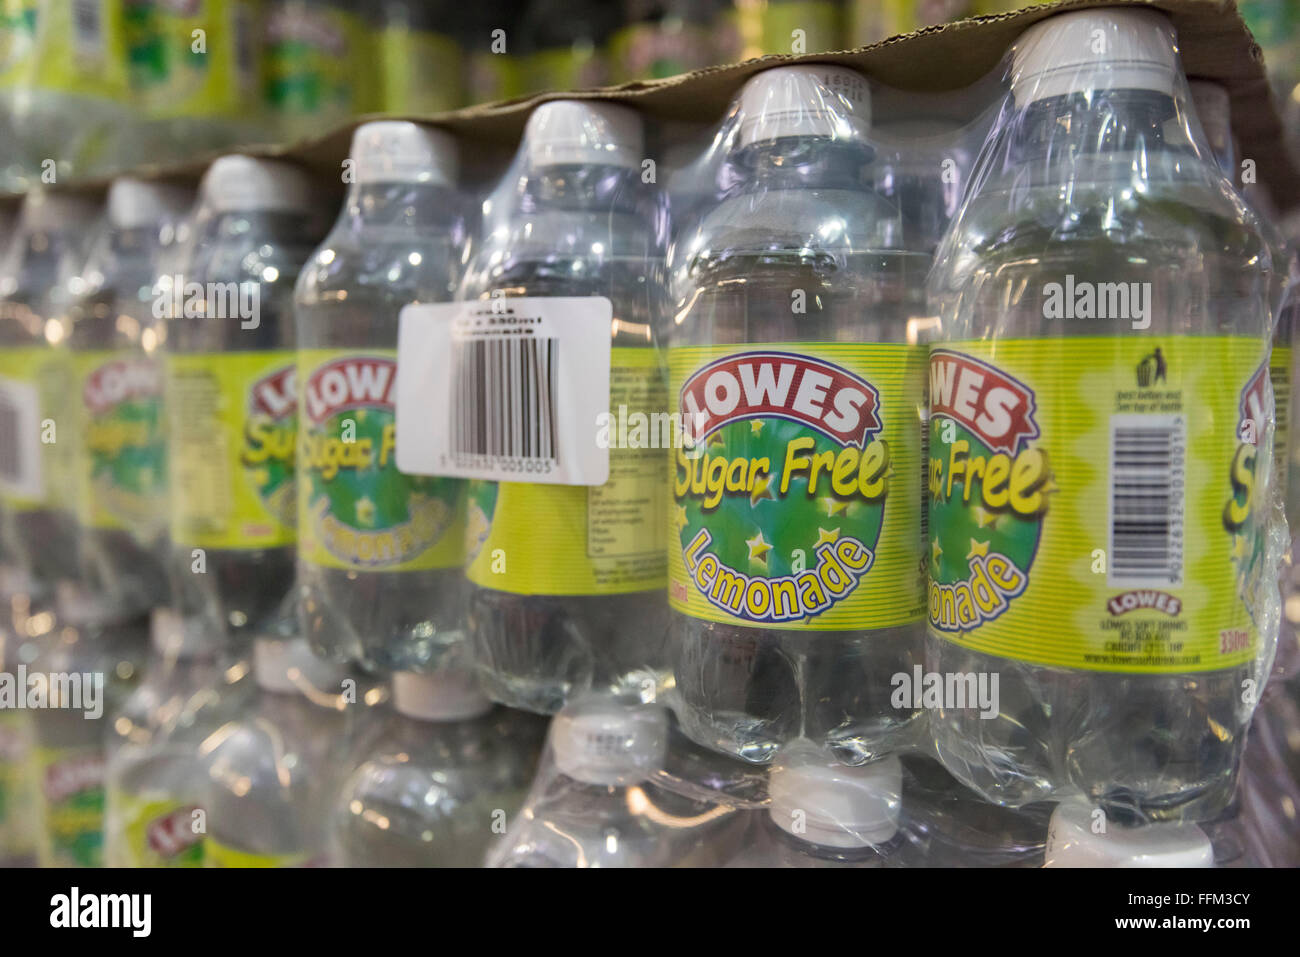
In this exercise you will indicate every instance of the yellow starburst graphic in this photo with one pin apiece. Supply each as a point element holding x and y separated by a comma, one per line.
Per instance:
<point>980,549</point>
<point>680,520</point>
<point>825,535</point>
<point>834,506</point>
<point>935,552</point>
<point>762,490</point>
<point>758,548</point>
<point>756,426</point>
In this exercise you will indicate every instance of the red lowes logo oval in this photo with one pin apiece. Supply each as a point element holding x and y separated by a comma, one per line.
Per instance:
<point>172,833</point>
<point>352,383</point>
<point>118,381</point>
<point>754,385</point>
<point>995,407</point>
<point>275,395</point>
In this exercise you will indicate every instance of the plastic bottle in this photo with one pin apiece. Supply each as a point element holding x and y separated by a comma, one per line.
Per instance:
<point>274,769</point>
<point>568,41</point>
<point>824,814</point>
<point>1121,592</point>
<point>87,665</point>
<point>231,399</point>
<point>155,777</point>
<point>579,602</point>
<point>54,235</point>
<point>380,553</point>
<point>496,53</point>
<point>754,28</point>
<point>117,384</point>
<point>422,67</point>
<point>445,768</point>
<point>23,625</point>
<point>799,283</point>
<point>661,38</point>
<point>594,803</point>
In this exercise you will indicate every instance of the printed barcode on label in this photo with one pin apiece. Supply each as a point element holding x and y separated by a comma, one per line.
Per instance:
<point>20,443</point>
<point>87,26</point>
<point>1147,475</point>
<point>503,398</point>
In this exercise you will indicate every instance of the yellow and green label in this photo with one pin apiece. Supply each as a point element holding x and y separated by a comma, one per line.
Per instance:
<point>651,51</point>
<point>232,430</point>
<point>356,511</point>
<point>317,61</point>
<point>496,76</point>
<point>217,854</point>
<point>567,68</point>
<point>1279,372</point>
<point>793,498</point>
<point>571,540</point>
<point>802,26</point>
<point>19,795</point>
<point>191,57</point>
<point>49,374</point>
<point>64,46</point>
<point>121,452</point>
<point>1093,501</point>
<point>421,71</point>
<point>157,831</point>
<point>72,789</point>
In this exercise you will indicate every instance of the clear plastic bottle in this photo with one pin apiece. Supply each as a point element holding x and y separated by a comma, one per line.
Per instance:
<point>55,232</point>
<point>443,770</point>
<point>72,732</point>
<point>155,774</point>
<point>798,266</point>
<point>231,399</point>
<point>594,803</point>
<point>824,814</point>
<point>1095,180</point>
<point>380,552</point>
<point>573,218</point>
<point>274,769</point>
<point>23,624</point>
<point>121,470</point>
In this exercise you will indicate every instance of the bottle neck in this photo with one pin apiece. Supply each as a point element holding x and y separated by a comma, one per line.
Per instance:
<point>1097,123</point>
<point>578,187</point>
<point>803,162</point>
<point>399,206</point>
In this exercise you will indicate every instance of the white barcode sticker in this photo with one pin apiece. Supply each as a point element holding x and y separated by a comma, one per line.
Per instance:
<point>20,439</point>
<point>1147,486</point>
<point>507,389</point>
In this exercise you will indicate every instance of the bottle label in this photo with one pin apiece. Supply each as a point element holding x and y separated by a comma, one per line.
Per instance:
<point>356,511</point>
<point>793,502</point>
<point>801,26</point>
<point>420,71</point>
<point>495,76</point>
<point>159,831</point>
<point>217,854</point>
<point>1093,500</point>
<point>232,426</point>
<point>19,818</point>
<point>72,786</point>
<point>317,61</point>
<point>648,51</point>
<point>190,58</point>
<point>72,46</point>
<point>121,452</point>
<point>29,378</point>
<point>602,540</point>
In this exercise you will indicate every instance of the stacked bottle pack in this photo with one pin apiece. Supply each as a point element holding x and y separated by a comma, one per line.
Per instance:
<point>878,480</point>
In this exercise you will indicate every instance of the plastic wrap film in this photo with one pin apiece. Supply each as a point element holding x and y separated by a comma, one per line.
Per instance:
<point>43,276</point>
<point>596,802</point>
<point>566,581</point>
<point>380,553</point>
<point>1104,532</point>
<point>230,391</point>
<point>803,234</point>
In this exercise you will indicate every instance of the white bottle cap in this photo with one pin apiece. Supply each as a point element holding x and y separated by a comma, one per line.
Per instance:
<point>77,605</point>
<point>394,151</point>
<point>584,132</point>
<point>602,741</point>
<point>1214,110</point>
<point>289,667</point>
<point>450,695</point>
<point>175,637</point>
<point>241,183</point>
<point>1104,49</point>
<point>133,203</point>
<point>820,801</point>
<point>829,102</point>
<point>1073,841</point>
<point>45,211</point>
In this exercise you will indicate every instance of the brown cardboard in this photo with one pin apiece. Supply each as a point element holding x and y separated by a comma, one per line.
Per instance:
<point>1213,39</point>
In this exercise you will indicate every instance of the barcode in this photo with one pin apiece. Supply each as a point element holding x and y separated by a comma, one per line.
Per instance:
<point>87,27</point>
<point>11,465</point>
<point>1146,498</point>
<point>925,474</point>
<point>503,398</point>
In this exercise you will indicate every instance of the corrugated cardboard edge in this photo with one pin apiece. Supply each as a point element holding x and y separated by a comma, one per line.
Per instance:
<point>1213,39</point>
